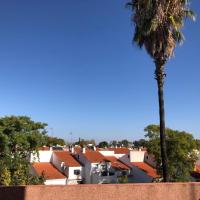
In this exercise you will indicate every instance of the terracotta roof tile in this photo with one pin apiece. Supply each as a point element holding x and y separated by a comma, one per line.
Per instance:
<point>122,150</point>
<point>44,148</point>
<point>94,156</point>
<point>67,158</point>
<point>116,163</point>
<point>48,170</point>
<point>146,168</point>
<point>197,168</point>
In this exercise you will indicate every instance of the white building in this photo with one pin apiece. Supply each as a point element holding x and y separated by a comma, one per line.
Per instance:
<point>142,167</point>
<point>57,167</point>
<point>101,167</point>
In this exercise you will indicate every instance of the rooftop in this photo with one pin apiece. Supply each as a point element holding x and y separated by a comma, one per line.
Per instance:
<point>122,150</point>
<point>67,158</point>
<point>94,156</point>
<point>116,163</point>
<point>48,170</point>
<point>146,168</point>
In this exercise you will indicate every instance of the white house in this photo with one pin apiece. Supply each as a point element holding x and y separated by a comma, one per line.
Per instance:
<point>66,163</point>
<point>99,168</point>
<point>66,168</point>
<point>142,167</point>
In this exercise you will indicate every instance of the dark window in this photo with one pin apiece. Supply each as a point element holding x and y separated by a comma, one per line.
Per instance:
<point>77,172</point>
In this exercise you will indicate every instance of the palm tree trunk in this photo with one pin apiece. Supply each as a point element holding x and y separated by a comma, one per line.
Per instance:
<point>159,76</point>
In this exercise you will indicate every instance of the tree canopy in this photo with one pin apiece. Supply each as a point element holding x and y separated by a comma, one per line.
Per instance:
<point>53,141</point>
<point>103,144</point>
<point>19,136</point>
<point>180,151</point>
<point>158,25</point>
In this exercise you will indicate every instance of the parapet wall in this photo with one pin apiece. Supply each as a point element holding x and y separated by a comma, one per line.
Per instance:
<point>151,191</point>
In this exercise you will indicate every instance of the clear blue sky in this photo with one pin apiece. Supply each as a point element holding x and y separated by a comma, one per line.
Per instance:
<point>71,64</point>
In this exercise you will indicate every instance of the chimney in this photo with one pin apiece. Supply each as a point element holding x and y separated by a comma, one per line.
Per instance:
<point>72,150</point>
<point>95,148</point>
<point>83,150</point>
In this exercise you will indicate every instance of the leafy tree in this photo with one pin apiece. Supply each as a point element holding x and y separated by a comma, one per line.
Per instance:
<point>83,142</point>
<point>124,143</point>
<point>158,29</point>
<point>197,144</point>
<point>103,144</point>
<point>113,143</point>
<point>53,141</point>
<point>140,143</point>
<point>5,176</point>
<point>180,151</point>
<point>19,136</point>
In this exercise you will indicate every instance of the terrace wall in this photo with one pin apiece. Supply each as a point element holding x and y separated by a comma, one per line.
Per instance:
<point>150,191</point>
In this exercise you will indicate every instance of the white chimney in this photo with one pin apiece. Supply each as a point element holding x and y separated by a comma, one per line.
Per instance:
<point>83,150</point>
<point>95,148</point>
<point>72,150</point>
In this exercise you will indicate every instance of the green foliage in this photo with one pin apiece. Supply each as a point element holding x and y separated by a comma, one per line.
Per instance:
<point>19,136</point>
<point>197,144</point>
<point>84,143</point>
<point>53,141</point>
<point>140,143</point>
<point>5,176</point>
<point>103,144</point>
<point>180,151</point>
<point>123,179</point>
<point>158,25</point>
<point>124,143</point>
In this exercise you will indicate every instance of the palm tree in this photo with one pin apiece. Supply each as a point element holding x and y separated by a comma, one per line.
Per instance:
<point>158,26</point>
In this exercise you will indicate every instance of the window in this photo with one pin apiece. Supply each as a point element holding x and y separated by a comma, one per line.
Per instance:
<point>77,171</point>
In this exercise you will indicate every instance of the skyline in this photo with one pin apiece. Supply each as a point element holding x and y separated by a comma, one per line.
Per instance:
<point>72,65</point>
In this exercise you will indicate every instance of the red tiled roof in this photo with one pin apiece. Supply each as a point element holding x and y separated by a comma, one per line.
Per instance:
<point>197,168</point>
<point>116,163</point>
<point>146,168</point>
<point>48,170</point>
<point>94,156</point>
<point>67,158</point>
<point>77,149</point>
<point>122,150</point>
<point>44,148</point>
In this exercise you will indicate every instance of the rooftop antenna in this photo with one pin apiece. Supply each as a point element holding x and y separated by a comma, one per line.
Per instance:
<point>70,137</point>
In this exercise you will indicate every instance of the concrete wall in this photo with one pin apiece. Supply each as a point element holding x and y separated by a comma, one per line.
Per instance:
<point>56,182</point>
<point>43,156</point>
<point>151,191</point>
<point>96,179</point>
<point>56,162</point>
<point>107,153</point>
<point>137,156</point>
<point>71,174</point>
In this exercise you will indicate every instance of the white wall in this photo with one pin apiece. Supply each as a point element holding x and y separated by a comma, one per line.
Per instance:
<point>42,156</point>
<point>119,155</point>
<point>56,162</point>
<point>150,159</point>
<point>56,182</point>
<point>137,156</point>
<point>126,160</point>
<point>86,168</point>
<point>71,174</point>
<point>107,153</point>
<point>96,179</point>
